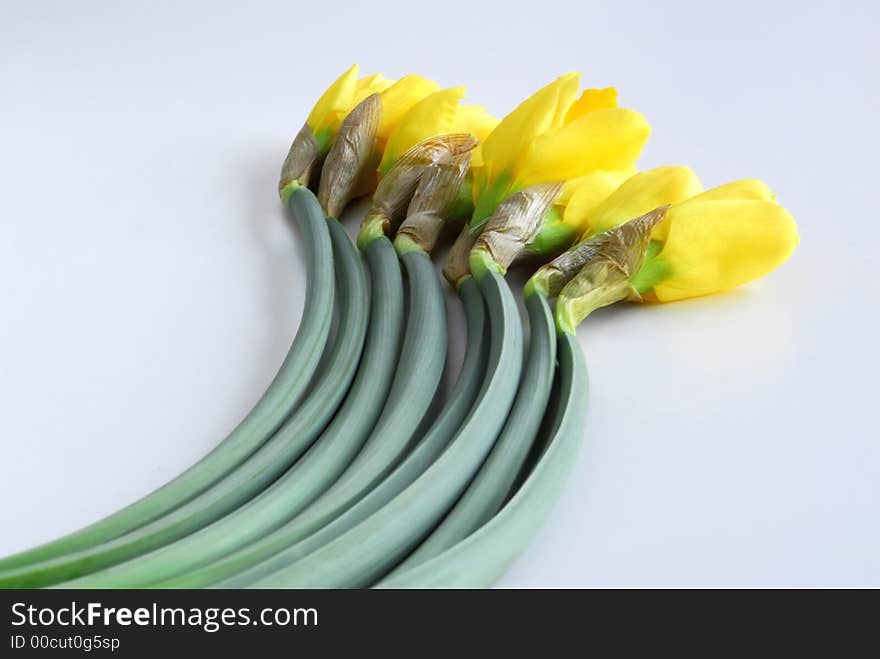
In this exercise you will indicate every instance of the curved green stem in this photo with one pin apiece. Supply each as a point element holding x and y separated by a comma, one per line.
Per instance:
<point>492,485</point>
<point>460,402</point>
<point>264,419</point>
<point>482,557</point>
<point>243,482</point>
<point>333,451</point>
<point>416,378</point>
<point>365,552</point>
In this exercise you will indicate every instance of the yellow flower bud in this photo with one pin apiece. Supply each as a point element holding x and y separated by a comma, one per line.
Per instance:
<point>398,99</point>
<point>639,194</point>
<point>332,107</point>
<point>316,137</point>
<point>714,245</point>
<point>707,242</point>
<point>710,241</point>
<point>554,135</point>
<point>437,114</point>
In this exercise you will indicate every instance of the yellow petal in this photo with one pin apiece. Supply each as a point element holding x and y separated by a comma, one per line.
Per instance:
<point>736,190</point>
<point>715,246</point>
<point>433,115</point>
<point>609,139</point>
<point>567,97</point>
<point>374,84</point>
<point>582,196</point>
<point>590,101</point>
<point>536,115</point>
<point>750,188</point>
<point>643,193</point>
<point>573,185</point>
<point>474,119</point>
<point>334,103</point>
<point>399,98</point>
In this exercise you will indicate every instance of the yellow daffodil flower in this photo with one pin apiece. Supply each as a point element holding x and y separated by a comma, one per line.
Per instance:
<point>688,244</point>
<point>477,121</point>
<point>438,114</point>
<point>473,119</point>
<point>557,229</point>
<point>714,244</point>
<point>566,221</point>
<point>316,137</point>
<point>338,100</point>
<point>556,136</point>
<point>743,233</point>
<point>594,207</point>
<point>639,194</point>
<point>408,109</point>
<point>398,99</point>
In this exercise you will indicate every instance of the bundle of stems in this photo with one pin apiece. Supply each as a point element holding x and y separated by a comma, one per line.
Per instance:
<point>276,405</point>
<point>344,476</point>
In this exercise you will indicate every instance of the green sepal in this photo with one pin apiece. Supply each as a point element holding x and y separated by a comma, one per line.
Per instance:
<point>573,305</point>
<point>489,199</point>
<point>537,285</point>
<point>403,244</point>
<point>655,270</point>
<point>463,206</point>
<point>481,262</point>
<point>324,139</point>
<point>554,237</point>
<point>564,321</point>
<point>533,288</point>
<point>288,190</point>
<point>371,229</point>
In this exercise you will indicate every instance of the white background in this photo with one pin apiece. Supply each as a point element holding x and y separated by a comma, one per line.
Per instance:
<point>150,284</point>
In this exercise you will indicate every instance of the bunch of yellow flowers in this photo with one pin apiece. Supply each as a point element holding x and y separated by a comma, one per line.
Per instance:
<point>341,475</point>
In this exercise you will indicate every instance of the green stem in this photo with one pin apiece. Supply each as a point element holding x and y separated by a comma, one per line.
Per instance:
<point>478,560</point>
<point>416,379</point>
<point>239,485</point>
<point>460,402</point>
<point>373,228</point>
<point>492,485</point>
<point>276,404</point>
<point>481,262</point>
<point>340,442</point>
<point>365,552</point>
